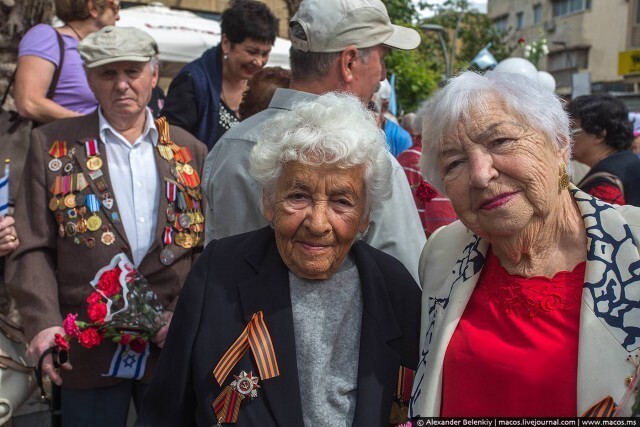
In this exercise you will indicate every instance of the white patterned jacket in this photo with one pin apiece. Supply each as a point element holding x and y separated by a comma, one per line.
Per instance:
<point>610,309</point>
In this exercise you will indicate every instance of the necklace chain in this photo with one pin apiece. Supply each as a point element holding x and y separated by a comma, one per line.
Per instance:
<point>76,33</point>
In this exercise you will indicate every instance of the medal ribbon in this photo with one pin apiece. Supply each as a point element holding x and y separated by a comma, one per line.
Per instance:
<point>81,182</point>
<point>163,130</point>
<point>66,184</point>
<point>93,203</point>
<point>172,190</point>
<point>183,155</point>
<point>92,147</point>
<point>603,409</point>
<point>255,336</point>
<point>58,149</point>
<point>56,188</point>
<point>167,239</point>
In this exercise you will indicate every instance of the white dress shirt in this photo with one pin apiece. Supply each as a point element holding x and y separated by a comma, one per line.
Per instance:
<point>135,182</point>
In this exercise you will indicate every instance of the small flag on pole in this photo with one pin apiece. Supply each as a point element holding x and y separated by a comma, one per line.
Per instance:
<point>393,101</point>
<point>4,190</point>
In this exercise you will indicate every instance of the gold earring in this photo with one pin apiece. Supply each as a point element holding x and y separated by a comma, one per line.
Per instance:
<point>563,179</point>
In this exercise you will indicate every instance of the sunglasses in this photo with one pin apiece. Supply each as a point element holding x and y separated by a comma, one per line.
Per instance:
<point>114,5</point>
<point>576,131</point>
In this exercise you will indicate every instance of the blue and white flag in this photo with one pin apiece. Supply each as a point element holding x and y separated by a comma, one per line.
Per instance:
<point>4,191</point>
<point>485,59</point>
<point>393,100</point>
<point>126,363</point>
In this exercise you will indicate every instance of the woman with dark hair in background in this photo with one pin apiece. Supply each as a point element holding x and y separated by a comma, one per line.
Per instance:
<point>602,136</point>
<point>39,56</point>
<point>261,88</point>
<point>205,95</point>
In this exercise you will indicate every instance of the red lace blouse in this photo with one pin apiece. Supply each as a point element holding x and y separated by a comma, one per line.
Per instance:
<point>515,349</point>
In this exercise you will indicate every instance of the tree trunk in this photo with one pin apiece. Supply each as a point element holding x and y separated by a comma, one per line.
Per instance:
<point>17,17</point>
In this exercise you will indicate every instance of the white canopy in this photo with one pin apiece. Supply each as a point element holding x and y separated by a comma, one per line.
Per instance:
<point>183,36</point>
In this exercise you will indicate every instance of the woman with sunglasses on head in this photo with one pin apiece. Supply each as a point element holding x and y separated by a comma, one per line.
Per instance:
<point>205,95</point>
<point>603,135</point>
<point>42,92</point>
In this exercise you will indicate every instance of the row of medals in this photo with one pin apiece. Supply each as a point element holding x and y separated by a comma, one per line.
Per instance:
<point>189,224</point>
<point>74,205</point>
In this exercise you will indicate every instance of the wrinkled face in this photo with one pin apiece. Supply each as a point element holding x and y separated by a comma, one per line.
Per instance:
<point>498,173</point>
<point>317,213</point>
<point>123,89</point>
<point>246,58</point>
<point>367,75</point>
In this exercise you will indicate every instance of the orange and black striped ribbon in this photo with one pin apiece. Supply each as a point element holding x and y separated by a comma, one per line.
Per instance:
<point>603,409</point>
<point>255,336</point>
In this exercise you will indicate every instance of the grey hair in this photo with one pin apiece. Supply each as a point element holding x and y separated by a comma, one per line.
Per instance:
<point>421,112</point>
<point>312,65</point>
<point>333,129</point>
<point>535,106</point>
<point>154,64</point>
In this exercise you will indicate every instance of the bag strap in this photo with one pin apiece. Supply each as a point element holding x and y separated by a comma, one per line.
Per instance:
<point>56,75</point>
<point>12,330</point>
<point>54,80</point>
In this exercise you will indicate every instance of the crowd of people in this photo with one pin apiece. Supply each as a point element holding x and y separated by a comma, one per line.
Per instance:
<point>317,260</point>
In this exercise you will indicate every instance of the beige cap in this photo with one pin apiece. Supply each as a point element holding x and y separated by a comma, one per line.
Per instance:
<point>116,44</point>
<point>332,25</point>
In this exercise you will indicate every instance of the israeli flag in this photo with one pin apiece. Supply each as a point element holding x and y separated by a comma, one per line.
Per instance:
<point>4,191</point>
<point>126,363</point>
<point>485,59</point>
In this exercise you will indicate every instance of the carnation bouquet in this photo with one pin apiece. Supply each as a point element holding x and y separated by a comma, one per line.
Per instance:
<point>122,308</point>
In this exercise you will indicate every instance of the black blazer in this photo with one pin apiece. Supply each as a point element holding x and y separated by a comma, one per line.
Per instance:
<point>240,275</point>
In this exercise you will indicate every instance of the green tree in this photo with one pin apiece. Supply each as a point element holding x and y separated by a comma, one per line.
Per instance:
<point>474,31</point>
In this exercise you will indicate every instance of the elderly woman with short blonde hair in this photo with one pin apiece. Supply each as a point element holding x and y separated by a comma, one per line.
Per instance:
<point>335,318</point>
<point>530,301</point>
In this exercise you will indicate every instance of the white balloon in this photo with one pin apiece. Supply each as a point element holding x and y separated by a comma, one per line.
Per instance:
<point>547,80</point>
<point>517,66</point>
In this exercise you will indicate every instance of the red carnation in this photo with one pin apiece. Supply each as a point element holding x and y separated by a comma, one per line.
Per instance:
<point>109,282</point>
<point>89,338</point>
<point>138,344</point>
<point>61,342</point>
<point>521,40</point>
<point>97,312</point>
<point>125,339</point>
<point>425,192</point>
<point>69,325</point>
<point>94,298</point>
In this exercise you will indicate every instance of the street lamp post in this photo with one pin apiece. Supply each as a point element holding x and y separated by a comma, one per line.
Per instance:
<point>440,30</point>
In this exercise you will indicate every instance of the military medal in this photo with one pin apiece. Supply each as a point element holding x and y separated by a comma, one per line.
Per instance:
<point>227,404</point>
<point>55,165</point>
<point>166,256</point>
<point>68,168</point>
<point>93,162</point>
<point>90,242</point>
<point>184,220</point>
<point>107,202</point>
<point>70,228</point>
<point>107,236</point>
<point>81,226</point>
<point>80,199</point>
<point>70,201</point>
<point>53,204</point>
<point>93,203</point>
<point>58,149</point>
<point>171,213</point>
<point>72,214</point>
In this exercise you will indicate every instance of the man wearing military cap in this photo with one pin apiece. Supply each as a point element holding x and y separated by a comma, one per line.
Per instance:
<point>110,182</point>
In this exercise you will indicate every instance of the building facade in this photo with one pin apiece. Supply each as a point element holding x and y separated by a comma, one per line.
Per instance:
<point>584,36</point>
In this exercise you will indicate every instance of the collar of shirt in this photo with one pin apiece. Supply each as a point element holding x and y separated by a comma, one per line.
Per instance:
<point>149,130</point>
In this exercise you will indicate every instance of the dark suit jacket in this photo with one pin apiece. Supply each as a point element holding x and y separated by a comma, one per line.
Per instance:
<point>241,275</point>
<point>49,275</point>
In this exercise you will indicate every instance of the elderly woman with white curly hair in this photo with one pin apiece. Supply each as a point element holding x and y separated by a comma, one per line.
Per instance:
<point>530,301</point>
<point>298,323</point>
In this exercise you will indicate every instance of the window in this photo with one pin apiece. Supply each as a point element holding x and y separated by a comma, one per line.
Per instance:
<point>568,59</point>
<point>501,23</point>
<point>537,14</point>
<point>566,7</point>
<point>519,20</point>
